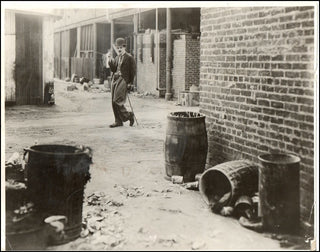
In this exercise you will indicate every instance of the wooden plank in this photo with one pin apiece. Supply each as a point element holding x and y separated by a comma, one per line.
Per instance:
<point>10,56</point>
<point>29,59</point>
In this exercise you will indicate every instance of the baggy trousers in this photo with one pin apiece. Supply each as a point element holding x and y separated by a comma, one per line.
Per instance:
<point>119,97</point>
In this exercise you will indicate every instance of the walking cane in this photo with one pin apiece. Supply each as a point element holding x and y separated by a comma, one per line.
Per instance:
<point>132,110</point>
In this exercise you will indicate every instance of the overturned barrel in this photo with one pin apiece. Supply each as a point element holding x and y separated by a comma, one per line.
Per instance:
<point>233,178</point>
<point>56,176</point>
<point>186,145</point>
<point>279,192</point>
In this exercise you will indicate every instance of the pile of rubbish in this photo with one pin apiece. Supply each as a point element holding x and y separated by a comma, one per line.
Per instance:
<point>101,227</point>
<point>86,84</point>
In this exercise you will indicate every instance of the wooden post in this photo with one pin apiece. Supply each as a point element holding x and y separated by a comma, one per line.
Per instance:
<point>78,41</point>
<point>112,37</point>
<point>94,68</point>
<point>135,43</point>
<point>168,57</point>
<point>157,47</point>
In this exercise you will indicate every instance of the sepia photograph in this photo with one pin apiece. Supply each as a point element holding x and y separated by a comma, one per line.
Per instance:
<point>159,126</point>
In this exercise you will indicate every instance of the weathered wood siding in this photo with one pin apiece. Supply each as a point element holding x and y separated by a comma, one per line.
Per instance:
<point>48,51</point>
<point>10,56</point>
<point>28,67</point>
<point>57,55</point>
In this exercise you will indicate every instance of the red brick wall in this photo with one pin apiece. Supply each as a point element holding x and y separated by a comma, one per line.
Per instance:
<point>256,82</point>
<point>192,61</point>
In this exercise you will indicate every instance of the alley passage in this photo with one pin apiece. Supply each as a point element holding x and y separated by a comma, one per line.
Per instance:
<point>141,210</point>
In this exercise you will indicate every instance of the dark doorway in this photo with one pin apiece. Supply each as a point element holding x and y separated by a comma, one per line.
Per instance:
<point>28,67</point>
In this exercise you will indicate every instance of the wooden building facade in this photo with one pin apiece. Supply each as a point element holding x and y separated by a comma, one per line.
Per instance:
<point>28,56</point>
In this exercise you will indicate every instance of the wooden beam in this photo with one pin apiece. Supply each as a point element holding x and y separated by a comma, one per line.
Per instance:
<point>78,41</point>
<point>135,43</point>
<point>94,69</point>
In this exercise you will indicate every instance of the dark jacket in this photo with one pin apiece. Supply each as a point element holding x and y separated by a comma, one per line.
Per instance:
<point>127,68</point>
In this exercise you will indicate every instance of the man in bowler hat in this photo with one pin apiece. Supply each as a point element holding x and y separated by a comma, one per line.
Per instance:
<point>123,68</point>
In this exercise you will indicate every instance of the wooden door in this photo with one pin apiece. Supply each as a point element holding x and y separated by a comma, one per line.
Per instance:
<point>28,67</point>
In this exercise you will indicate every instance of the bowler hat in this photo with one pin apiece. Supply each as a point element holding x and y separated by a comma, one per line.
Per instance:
<point>120,42</point>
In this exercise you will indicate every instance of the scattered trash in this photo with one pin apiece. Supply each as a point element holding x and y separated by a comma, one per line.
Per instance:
<point>55,218</point>
<point>198,245</point>
<point>84,233</point>
<point>177,179</point>
<point>14,168</point>
<point>198,176</point>
<point>243,207</point>
<point>72,87</point>
<point>292,241</point>
<point>23,212</point>
<point>85,86</point>
<point>14,185</point>
<point>167,242</point>
<point>216,204</point>
<point>67,79</point>
<point>73,77</point>
<point>251,224</point>
<point>83,80</point>
<point>14,159</point>
<point>226,211</point>
<point>131,191</point>
<point>191,185</point>
<point>171,210</point>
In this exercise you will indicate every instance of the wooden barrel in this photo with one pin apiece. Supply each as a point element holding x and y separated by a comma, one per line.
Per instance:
<point>279,192</point>
<point>239,177</point>
<point>186,145</point>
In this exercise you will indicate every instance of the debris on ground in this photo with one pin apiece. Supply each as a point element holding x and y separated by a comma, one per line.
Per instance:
<point>130,191</point>
<point>171,210</point>
<point>85,86</point>
<point>198,176</point>
<point>227,211</point>
<point>83,80</point>
<point>292,241</point>
<point>177,179</point>
<point>198,245</point>
<point>255,225</point>
<point>15,159</point>
<point>217,203</point>
<point>72,87</point>
<point>73,77</point>
<point>191,185</point>
<point>168,241</point>
<point>67,79</point>
<point>15,168</point>
<point>244,207</point>
<point>24,211</point>
<point>96,227</point>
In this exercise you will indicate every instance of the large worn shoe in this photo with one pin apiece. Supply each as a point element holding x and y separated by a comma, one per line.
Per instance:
<point>115,125</point>
<point>131,119</point>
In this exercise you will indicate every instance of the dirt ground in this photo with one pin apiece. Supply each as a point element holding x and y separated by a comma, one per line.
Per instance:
<point>145,211</point>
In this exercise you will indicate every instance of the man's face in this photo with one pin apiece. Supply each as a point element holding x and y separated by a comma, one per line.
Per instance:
<point>121,49</point>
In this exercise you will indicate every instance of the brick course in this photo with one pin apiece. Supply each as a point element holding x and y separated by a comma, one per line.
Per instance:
<point>256,82</point>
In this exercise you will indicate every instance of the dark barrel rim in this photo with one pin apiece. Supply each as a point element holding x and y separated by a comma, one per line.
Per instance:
<point>279,158</point>
<point>80,152</point>
<point>175,115</point>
